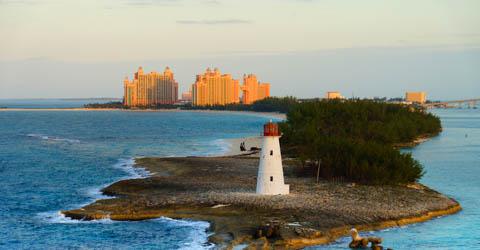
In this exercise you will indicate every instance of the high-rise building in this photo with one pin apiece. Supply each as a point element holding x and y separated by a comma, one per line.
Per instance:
<point>150,89</point>
<point>253,90</point>
<point>416,97</point>
<point>213,88</point>
<point>187,96</point>
<point>334,95</point>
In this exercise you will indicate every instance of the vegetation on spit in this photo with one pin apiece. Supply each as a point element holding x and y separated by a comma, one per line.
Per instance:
<point>269,104</point>
<point>355,139</point>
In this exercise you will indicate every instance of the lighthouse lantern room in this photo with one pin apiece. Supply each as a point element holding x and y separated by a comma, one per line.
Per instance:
<point>270,171</point>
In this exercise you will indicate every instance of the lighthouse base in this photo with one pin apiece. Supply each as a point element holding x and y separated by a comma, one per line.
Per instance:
<point>266,190</point>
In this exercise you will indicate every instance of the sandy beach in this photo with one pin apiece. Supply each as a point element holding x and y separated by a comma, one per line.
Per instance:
<point>234,145</point>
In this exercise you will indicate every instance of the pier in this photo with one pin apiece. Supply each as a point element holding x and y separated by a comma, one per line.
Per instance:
<point>468,103</point>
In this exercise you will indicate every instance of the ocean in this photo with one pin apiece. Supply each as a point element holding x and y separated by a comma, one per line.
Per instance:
<point>59,160</point>
<point>51,103</point>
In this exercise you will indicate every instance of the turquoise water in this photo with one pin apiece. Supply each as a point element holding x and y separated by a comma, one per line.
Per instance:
<point>452,163</point>
<point>57,160</point>
<point>50,103</point>
<point>50,161</point>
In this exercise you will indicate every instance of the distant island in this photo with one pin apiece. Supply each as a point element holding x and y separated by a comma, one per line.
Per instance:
<point>92,99</point>
<point>268,104</point>
<point>341,159</point>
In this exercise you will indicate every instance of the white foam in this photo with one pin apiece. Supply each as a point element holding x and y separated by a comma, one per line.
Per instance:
<point>127,165</point>
<point>96,194</point>
<point>224,145</point>
<point>53,138</point>
<point>57,217</point>
<point>198,234</point>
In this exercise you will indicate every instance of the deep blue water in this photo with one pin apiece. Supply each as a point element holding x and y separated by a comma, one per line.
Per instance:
<point>57,160</point>
<point>49,103</point>
<point>51,161</point>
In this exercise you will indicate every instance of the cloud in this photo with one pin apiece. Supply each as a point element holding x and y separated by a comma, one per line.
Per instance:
<point>152,2</point>
<point>212,2</point>
<point>215,22</point>
<point>29,2</point>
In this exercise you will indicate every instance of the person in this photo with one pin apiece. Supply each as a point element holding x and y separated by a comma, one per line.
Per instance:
<point>242,146</point>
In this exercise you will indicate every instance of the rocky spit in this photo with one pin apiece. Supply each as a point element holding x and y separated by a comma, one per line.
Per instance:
<point>221,190</point>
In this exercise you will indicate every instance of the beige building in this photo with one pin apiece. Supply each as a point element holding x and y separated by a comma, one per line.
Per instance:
<point>254,90</point>
<point>416,97</point>
<point>334,95</point>
<point>213,88</point>
<point>187,96</point>
<point>150,89</point>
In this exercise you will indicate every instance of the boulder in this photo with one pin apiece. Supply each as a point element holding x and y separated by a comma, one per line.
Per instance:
<point>268,231</point>
<point>360,242</point>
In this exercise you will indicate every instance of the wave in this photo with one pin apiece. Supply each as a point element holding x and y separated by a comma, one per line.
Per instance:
<point>198,234</point>
<point>53,138</point>
<point>95,193</point>
<point>128,166</point>
<point>224,146</point>
<point>56,217</point>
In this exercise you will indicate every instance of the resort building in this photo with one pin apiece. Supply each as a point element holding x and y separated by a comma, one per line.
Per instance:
<point>334,95</point>
<point>253,90</point>
<point>213,88</point>
<point>187,96</point>
<point>416,97</point>
<point>150,89</point>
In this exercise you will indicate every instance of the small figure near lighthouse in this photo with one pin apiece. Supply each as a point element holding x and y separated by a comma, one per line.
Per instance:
<point>270,171</point>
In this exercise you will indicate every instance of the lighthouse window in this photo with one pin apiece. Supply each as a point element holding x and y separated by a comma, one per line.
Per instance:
<point>271,178</point>
<point>271,152</point>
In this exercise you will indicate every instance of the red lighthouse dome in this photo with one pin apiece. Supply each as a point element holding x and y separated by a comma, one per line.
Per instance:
<point>271,129</point>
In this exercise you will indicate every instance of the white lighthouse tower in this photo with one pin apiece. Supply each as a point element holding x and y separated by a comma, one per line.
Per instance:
<point>270,171</point>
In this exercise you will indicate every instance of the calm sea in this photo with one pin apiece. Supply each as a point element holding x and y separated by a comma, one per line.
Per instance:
<point>50,103</point>
<point>51,161</point>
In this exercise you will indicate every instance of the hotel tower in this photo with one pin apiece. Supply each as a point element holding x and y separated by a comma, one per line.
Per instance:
<point>213,88</point>
<point>253,90</point>
<point>150,89</point>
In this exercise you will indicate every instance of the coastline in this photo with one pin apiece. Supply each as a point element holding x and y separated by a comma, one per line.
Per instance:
<point>275,115</point>
<point>419,140</point>
<point>339,232</point>
<point>222,211</point>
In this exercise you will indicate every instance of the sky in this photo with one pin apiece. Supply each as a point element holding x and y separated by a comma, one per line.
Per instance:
<point>363,48</point>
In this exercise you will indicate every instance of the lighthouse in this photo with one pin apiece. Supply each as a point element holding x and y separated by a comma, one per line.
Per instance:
<point>270,170</point>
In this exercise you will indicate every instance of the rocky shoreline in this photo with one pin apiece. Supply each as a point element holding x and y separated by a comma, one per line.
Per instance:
<point>221,190</point>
